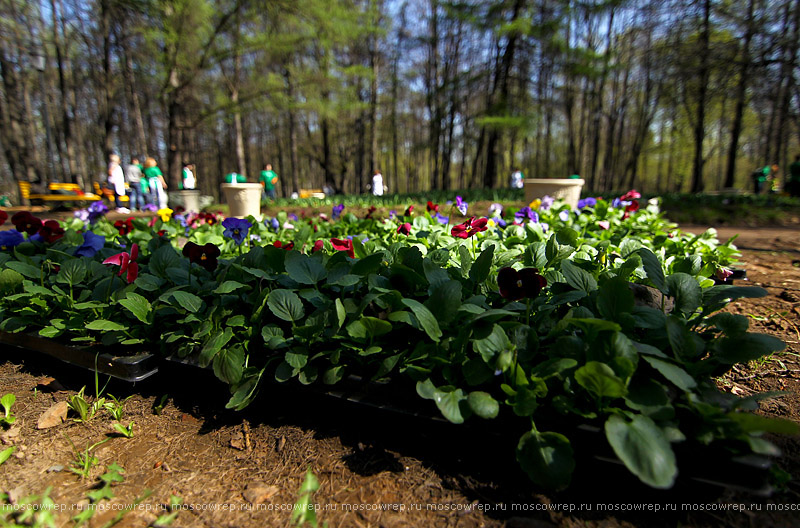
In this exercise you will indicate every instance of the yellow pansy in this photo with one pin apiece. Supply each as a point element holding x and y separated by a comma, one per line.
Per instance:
<point>491,223</point>
<point>535,204</point>
<point>164,213</point>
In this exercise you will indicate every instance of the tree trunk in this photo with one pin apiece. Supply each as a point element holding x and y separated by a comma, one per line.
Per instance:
<point>700,123</point>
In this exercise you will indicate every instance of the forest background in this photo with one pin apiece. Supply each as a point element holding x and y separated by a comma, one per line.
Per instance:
<point>672,95</point>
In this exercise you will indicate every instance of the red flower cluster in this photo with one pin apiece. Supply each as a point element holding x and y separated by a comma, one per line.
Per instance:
<point>281,245</point>
<point>344,245</point>
<point>470,227</point>
<point>432,207</point>
<point>126,262</point>
<point>518,284</point>
<point>207,218</point>
<point>205,255</point>
<point>404,229</point>
<point>124,226</point>
<point>25,222</point>
<point>3,217</point>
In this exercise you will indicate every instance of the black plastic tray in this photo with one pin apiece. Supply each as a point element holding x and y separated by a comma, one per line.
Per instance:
<point>130,368</point>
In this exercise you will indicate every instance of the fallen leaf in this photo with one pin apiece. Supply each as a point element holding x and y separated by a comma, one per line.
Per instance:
<point>259,492</point>
<point>237,441</point>
<point>53,416</point>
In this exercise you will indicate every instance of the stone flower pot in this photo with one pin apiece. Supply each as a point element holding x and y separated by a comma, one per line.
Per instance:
<point>189,199</point>
<point>565,189</point>
<point>244,199</point>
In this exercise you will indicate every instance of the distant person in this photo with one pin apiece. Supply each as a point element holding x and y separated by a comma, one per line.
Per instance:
<point>235,177</point>
<point>116,180</point>
<point>794,178</point>
<point>759,178</point>
<point>133,177</point>
<point>188,181</point>
<point>575,177</point>
<point>268,180</point>
<point>516,179</point>
<point>156,183</point>
<point>774,181</point>
<point>377,184</point>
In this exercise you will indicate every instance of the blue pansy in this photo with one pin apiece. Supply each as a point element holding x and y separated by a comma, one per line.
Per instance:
<point>337,211</point>
<point>236,228</point>
<point>441,218</point>
<point>91,245</point>
<point>547,202</point>
<point>461,205</point>
<point>96,211</point>
<point>563,215</point>
<point>10,239</point>
<point>526,213</point>
<point>587,202</point>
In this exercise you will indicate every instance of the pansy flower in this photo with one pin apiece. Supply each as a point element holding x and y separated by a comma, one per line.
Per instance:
<point>587,202</point>
<point>236,228</point>
<point>318,245</point>
<point>404,229</point>
<point>293,217</point>
<point>496,209</point>
<point>432,207</point>
<point>50,231</point>
<point>124,226</point>
<point>461,205</point>
<point>126,262</point>
<point>408,210</point>
<point>274,224</point>
<point>631,207</point>
<point>280,245</point>
<point>82,215</point>
<point>723,274</point>
<point>526,213</point>
<point>470,227</point>
<point>535,203</point>
<point>96,210</point>
<point>344,245</point>
<point>515,284</point>
<point>207,218</point>
<point>604,224</point>
<point>91,245</point>
<point>25,222</point>
<point>10,239</point>
<point>442,219</point>
<point>205,255</point>
<point>547,202</point>
<point>633,194</point>
<point>3,217</point>
<point>337,211</point>
<point>165,214</point>
<point>371,210</point>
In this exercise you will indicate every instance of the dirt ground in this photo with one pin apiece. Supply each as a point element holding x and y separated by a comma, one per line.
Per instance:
<point>375,468</point>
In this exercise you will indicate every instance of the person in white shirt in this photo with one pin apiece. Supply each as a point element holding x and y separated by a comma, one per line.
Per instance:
<point>516,179</point>
<point>377,184</point>
<point>189,181</point>
<point>116,179</point>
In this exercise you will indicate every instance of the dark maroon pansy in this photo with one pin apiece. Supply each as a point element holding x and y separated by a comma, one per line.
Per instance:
<point>515,284</point>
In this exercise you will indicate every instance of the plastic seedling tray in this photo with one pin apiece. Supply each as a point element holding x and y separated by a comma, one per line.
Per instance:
<point>130,368</point>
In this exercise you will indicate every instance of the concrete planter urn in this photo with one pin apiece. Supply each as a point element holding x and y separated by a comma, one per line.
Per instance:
<point>244,199</point>
<point>188,198</point>
<point>566,189</point>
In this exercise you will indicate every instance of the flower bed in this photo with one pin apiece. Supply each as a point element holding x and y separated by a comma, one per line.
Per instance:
<point>607,315</point>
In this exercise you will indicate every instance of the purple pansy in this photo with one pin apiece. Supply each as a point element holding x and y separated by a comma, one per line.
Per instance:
<point>337,211</point>
<point>563,215</point>
<point>236,228</point>
<point>97,210</point>
<point>587,202</point>
<point>461,205</point>
<point>91,245</point>
<point>526,213</point>
<point>441,218</point>
<point>547,202</point>
<point>82,215</point>
<point>10,239</point>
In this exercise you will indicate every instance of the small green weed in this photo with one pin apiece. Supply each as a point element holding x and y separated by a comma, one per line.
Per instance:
<point>7,402</point>
<point>127,432</point>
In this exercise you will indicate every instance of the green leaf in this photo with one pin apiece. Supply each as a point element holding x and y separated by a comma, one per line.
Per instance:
<point>6,453</point>
<point>673,373</point>
<point>286,305</point>
<point>25,269</point>
<point>449,403</point>
<point>368,265</point>
<point>105,325</point>
<point>747,347</point>
<point>213,345</point>
<point>228,287</point>
<point>686,291</point>
<point>229,364</point>
<point>577,277</point>
<point>368,328</point>
<point>600,379</point>
<point>296,358</point>
<point>547,458</point>
<point>480,269</point>
<point>137,305</point>
<point>333,375</point>
<point>483,404</point>
<point>341,313</point>
<point>614,299</point>
<point>189,301</point>
<point>754,423</point>
<point>304,269</point>
<point>10,281</point>
<point>445,300</point>
<point>724,292</point>
<point>644,449</point>
<point>164,258</point>
<point>72,272</point>
<point>496,342</point>
<point>653,269</point>
<point>425,318</point>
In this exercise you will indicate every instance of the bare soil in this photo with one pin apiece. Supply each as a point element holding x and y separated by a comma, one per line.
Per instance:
<point>371,463</point>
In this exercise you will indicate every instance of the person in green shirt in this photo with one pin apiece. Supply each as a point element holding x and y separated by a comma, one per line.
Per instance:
<point>235,177</point>
<point>759,179</point>
<point>268,180</point>
<point>794,177</point>
<point>156,183</point>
